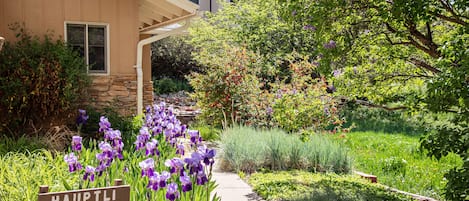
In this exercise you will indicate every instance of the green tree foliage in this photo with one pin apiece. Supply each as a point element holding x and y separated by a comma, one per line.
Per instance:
<point>410,52</point>
<point>171,58</point>
<point>229,88</point>
<point>41,81</point>
<point>257,26</point>
<point>249,41</point>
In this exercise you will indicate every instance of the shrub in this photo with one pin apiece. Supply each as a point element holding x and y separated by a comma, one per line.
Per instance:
<point>247,149</point>
<point>304,186</point>
<point>172,57</point>
<point>41,81</point>
<point>302,101</point>
<point>168,85</point>
<point>228,88</point>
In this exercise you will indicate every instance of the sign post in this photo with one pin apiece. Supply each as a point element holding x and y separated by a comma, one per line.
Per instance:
<point>118,192</point>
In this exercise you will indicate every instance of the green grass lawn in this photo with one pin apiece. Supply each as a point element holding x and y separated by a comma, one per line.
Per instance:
<point>397,162</point>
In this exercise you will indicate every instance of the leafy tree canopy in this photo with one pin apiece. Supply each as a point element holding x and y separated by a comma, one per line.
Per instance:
<point>411,52</point>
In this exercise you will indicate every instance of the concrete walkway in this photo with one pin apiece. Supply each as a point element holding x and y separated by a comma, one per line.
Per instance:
<point>230,186</point>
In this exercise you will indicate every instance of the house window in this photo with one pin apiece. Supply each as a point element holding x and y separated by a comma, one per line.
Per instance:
<point>195,1</point>
<point>90,41</point>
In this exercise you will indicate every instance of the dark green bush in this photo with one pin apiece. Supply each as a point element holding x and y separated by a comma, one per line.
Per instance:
<point>41,82</point>
<point>172,57</point>
<point>118,122</point>
<point>167,85</point>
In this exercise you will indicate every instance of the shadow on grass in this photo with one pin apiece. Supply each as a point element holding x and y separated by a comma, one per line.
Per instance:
<point>380,120</point>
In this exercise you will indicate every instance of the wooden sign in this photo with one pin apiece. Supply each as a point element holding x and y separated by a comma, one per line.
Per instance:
<point>114,193</point>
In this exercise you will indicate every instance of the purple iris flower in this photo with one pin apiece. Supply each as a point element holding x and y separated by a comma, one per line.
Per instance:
<point>147,109</point>
<point>180,149</point>
<point>185,182</point>
<point>104,124</point>
<point>76,143</point>
<point>89,173</point>
<point>153,181</point>
<point>142,138</point>
<point>172,193</point>
<point>152,148</point>
<point>82,117</point>
<point>162,106</point>
<point>183,130</point>
<point>106,156</point>
<point>72,161</point>
<point>330,45</point>
<point>176,165</point>
<point>164,176</point>
<point>114,136</point>
<point>195,136</point>
<point>156,130</point>
<point>147,167</point>
<point>201,178</point>
<point>169,131</point>
<point>193,163</point>
<point>207,155</point>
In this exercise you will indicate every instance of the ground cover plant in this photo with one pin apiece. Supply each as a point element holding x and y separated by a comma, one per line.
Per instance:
<point>154,165</point>
<point>305,186</point>
<point>247,149</point>
<point>397,162</point>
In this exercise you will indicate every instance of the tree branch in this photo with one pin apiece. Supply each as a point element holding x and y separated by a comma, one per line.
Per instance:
<point>397,43</point>
<point>456,20</point>
<point>424,65</point>
<point>405,76</point>
<point>432,47</point>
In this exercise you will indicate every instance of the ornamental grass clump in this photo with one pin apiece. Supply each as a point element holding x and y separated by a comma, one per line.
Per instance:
<point>247,149</point>
<point>154,166</point>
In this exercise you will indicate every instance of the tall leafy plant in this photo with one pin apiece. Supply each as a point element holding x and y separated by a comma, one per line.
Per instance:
<point>41,80</point>
<point>228,87</point>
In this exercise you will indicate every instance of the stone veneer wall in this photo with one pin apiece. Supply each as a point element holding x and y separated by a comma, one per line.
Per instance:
<point>119,92</point>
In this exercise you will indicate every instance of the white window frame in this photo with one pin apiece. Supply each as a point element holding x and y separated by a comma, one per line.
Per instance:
<point>107,44</point>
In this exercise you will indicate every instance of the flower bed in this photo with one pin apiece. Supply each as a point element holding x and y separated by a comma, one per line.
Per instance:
<point>153,166</point>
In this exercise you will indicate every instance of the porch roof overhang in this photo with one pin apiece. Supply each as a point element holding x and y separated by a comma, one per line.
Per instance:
<point>160,19</point>
<point>156,14</point>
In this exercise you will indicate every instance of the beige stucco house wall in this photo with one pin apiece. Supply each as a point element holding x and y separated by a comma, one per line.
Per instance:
<point>126,21</point>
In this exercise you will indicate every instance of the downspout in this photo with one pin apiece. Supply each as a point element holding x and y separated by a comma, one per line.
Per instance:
<point>2,40</point>
<point>139,60</point>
